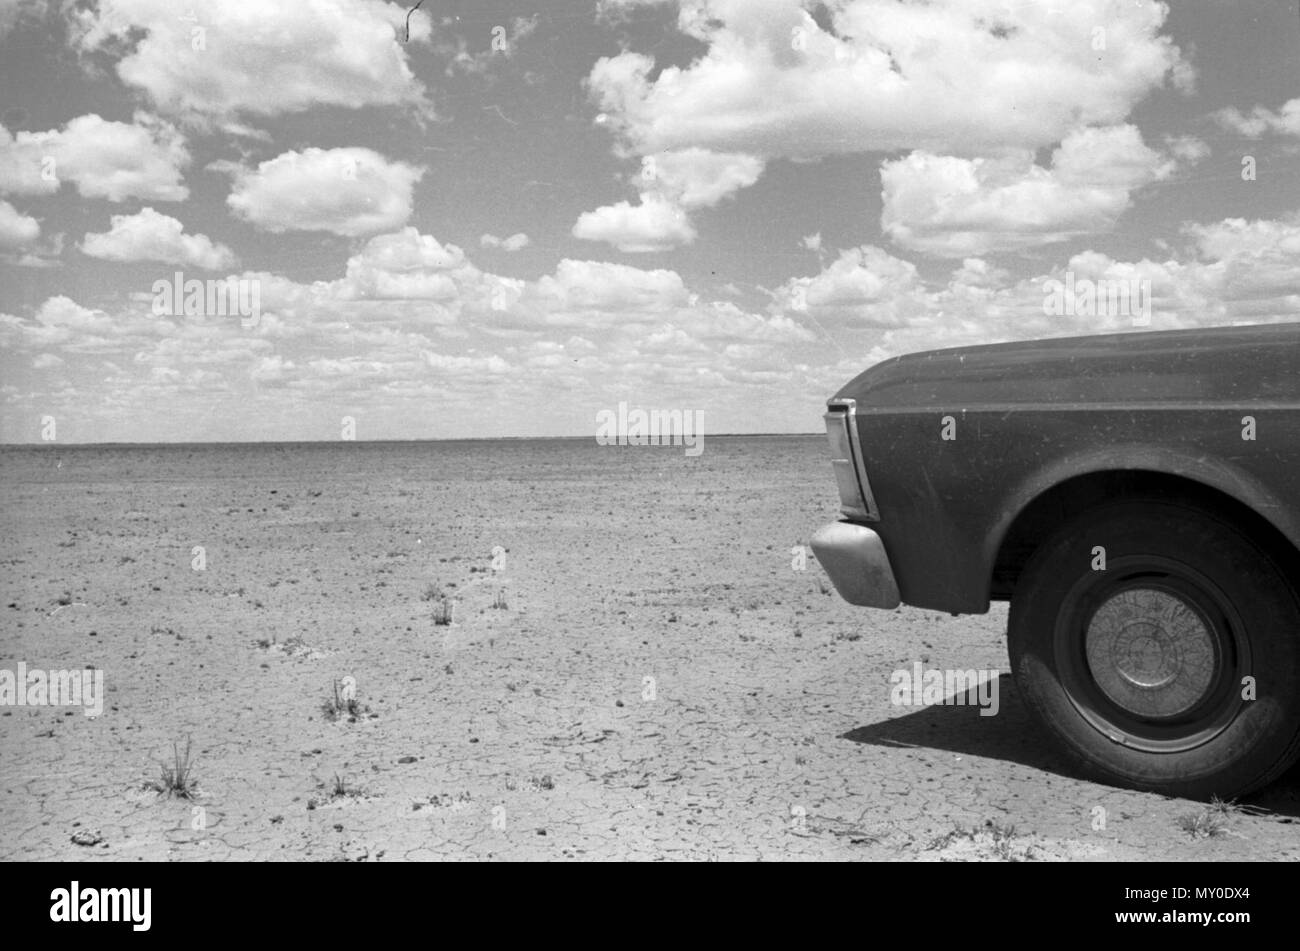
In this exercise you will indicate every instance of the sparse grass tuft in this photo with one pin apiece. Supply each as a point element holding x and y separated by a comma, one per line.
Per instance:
<point>336,789</point>
<point>499,600</point>
<point>1003,836</point>
<point>342,789</point>
<point>433,592</point>
<point>991,837</point>
<point>442,612</point>
<point>1213,820</point>
<point>177,778</point>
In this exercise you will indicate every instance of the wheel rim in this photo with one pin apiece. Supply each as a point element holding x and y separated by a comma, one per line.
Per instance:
<point>1151,653</point>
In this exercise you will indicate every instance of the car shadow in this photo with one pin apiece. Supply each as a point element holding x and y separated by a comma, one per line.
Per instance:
<point>1013,735</point>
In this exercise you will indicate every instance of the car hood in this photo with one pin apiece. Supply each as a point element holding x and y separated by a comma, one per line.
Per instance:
<point>1211,365</point>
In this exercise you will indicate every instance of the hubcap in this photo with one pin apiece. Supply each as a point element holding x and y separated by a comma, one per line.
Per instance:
<point>1151,652</point>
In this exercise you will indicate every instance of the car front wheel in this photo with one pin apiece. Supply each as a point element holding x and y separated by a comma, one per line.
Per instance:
<point>1161,645</point>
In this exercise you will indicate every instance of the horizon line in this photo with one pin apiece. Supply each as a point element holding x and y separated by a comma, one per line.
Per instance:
<point>321,442</point>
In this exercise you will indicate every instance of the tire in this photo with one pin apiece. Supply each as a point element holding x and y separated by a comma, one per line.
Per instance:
<point>1139,669</point>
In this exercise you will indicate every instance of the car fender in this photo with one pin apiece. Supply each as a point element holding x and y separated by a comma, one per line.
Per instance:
<point>1209,471</point>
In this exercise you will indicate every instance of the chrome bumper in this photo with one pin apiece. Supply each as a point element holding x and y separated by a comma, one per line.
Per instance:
<point>855,558</point>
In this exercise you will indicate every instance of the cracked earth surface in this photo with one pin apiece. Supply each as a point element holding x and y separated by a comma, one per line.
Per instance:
<point>661,682</point>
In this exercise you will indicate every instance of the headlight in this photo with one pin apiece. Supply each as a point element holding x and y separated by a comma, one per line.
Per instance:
<point>856,500</point>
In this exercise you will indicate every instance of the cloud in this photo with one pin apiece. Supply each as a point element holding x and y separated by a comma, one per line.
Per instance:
<point>953,76</point>
<point>599,287</point>
<point>671,184</point>
<point>502,44</point>
<point>347,191</point>
<point>655,224</point>
<point>1233,236</point>
<point>150,236</point>
<point>1253,125</point>
<point>12,12</point>
<point>16,229</point>
<point>466,366</point>
<point>862,287</point>
<point>223,58</point>
<point>411,266</point>
<point>698,178</point>
<point>325,348</point>
<point>103,159</point>
<point>1253,266</point>
<point>62,322</point>
<point>44,253</point>
<point>516,242</point>
<point>976,80</point>
<point>955,207</point>
<point>615,8</point>
<point>1233,271</point>
<point>272,369</point>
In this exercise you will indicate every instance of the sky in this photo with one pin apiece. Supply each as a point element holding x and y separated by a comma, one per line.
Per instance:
<point>521,214</point>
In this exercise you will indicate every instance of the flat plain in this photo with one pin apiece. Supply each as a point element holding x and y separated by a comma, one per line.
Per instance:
<point>636,663</point>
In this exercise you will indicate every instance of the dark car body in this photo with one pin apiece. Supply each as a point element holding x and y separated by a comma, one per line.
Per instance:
<point>1136,497</point>
<point>1040,429</point>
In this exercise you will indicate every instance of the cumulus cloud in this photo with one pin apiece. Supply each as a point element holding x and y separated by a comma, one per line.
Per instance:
<point>16,229</point>
<point>113,160</point>
<point>671,184</point>
<point>862,287</point>
<point>347,191</point>
<point>953,76</point>
<point>410,283</point>
<point>654,224</point>
<point>597,287</point>
<point>62,322</point>
<point>954,80</point>
<point>150,236</point>
<point>233,57</point>
<point>409,265</point>
<point>1233,236</point>
<point>1257,122</point>
<point>698,178</point>
<point>955,207</point>
<point>516,242</point>
<point>344,345</point>
<point>1233,271</point>
<point>1253,266</point>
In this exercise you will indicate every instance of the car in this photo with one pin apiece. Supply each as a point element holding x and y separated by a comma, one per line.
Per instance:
<point>1135,497</point>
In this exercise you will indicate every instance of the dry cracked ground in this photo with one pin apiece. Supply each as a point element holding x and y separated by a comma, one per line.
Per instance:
<point>640,672</point>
